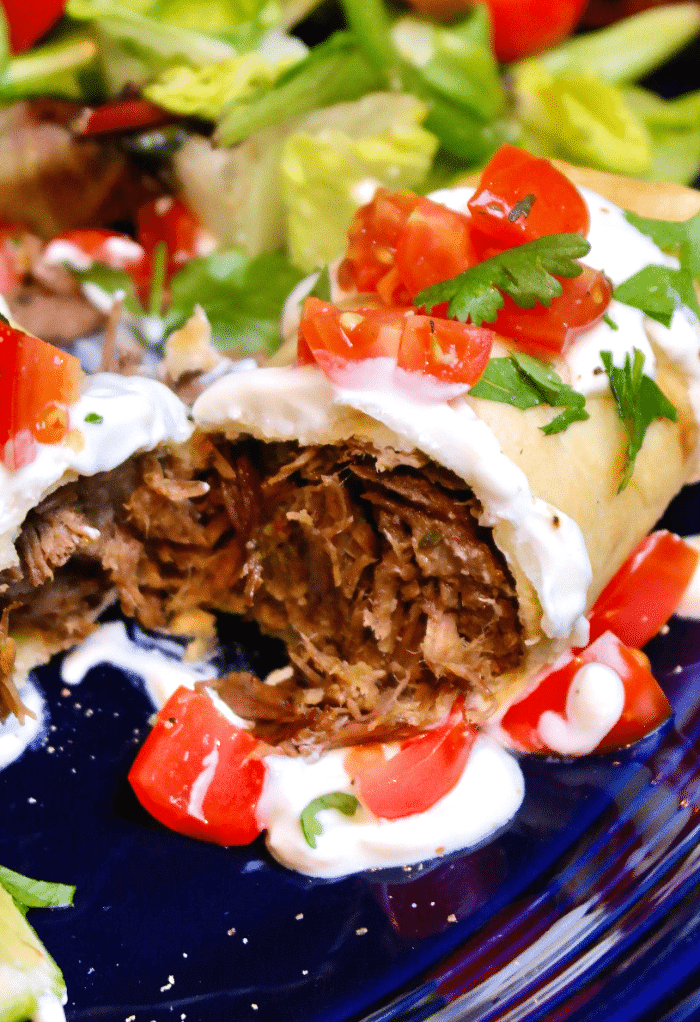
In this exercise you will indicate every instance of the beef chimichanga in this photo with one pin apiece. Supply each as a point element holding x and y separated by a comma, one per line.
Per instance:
<point>423,555</point>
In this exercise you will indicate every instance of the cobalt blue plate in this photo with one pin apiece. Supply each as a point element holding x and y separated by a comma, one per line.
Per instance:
<point>585,907</point>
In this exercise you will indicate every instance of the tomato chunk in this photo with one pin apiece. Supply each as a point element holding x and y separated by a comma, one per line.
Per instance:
<point>645,705</point>
<point>440,350</point>
<point>371,252</point>
<point>522,197</point>
<point>99,245</point>
<point>434,244</point>
<point>645,591</point>
<point>37,384</point>
<point>198,773</point>
<point>123,115</point>
<point>424,770</point>
<point>170,220</point>
<point>548,329</point>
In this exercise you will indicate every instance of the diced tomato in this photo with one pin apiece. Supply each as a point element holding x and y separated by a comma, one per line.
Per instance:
<point>434,244</point>
<point>522,197</point>
<point>37,384</point>
<point>116,250</point>
<point>442,350</point>
<point>125,115</point>
<point>645,706</point>
<point>547,329</point>
<point>424,770</point>
<point>28,22</point>
<point>643,594</point>
<point>371,251</point>
<point>520,27</point>
<point>199,774</point>
<point>11,269</point>
<point>170,220</point>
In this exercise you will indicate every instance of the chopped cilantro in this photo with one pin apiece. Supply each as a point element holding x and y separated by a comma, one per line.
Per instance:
<point>681,238</point>
<point>526,273</point>
<point>340,800</point>
<point>611,322</point>
<point>525,382</point>
<point>322,287</point>
<point>658,291</point>
<point>93,417</point>
<point>639,401</point>
<point>431,538</point>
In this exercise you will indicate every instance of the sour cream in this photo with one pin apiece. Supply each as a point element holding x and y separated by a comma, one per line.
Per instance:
<point>485,798</point>
<point>16,737</point>
<point>115,417</point>
<point>594,704</point>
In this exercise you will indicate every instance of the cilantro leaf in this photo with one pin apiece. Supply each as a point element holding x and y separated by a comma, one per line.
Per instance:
<point>340,800</point>
<point>681,238</point>
<point>322,287</point>
<point>242,297</point>
<point>639,401</point>
<point>658,291</point>
<point>27,893</point>
<point>526,273</point>
<point>525,382</point>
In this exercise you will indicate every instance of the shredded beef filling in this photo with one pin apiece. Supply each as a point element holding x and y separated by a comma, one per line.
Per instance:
<point>389,595</point>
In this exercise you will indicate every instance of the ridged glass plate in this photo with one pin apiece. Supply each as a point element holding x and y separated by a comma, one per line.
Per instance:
<point>586,906</point>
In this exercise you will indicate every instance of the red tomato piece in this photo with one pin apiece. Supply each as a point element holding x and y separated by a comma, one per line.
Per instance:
<point>371,251</point>
<point>124,115</point>
<point>28,22</point>
<point>168,219</point>
<point>645,591</point>
<point>198,773</point>
<point>645,706</point>
<point>434,244</point>
<point>99,245</point>
<point>547,329</point>
<point>424,770</point>
<point>441,349</point>
<point>521,197</point>
<point>520,27</point>
<point>37,384</point>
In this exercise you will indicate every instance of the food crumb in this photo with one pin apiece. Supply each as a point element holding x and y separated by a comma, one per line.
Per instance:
<point>305,972</point>
<point>299,915</point>
<point>184,954</point>
<point>130,1018</point>
<point>452,918</point>
<point>244,940</point>
<point>361,931</point>
<point>231,931</point>
<point>254,1006</point>
<point>31,801</point>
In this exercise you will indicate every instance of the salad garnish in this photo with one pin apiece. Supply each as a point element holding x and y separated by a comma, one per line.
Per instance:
<point>639,401</point>
<point>525,382</point>
<point>340,800</point>
<point>525,273</point>
<point>658,291</point>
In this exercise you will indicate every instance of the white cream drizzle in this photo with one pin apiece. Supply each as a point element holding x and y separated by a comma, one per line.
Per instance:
<point>485,798</point>
<point>16,737</point>
<point>594,703</point>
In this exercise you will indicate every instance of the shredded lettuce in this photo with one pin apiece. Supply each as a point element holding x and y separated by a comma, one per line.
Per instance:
<point>334,163</point>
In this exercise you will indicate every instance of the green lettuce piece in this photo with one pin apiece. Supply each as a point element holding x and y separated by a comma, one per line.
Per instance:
<point>628,49</point>
<point>331,166</point>
<point>135,47</point>
<point>205,92</point>
<point>457,61</point>
<point>69,68</point>
<point>674,127</point>
<point>242,297</point>
<point>593,125</point>
<point>27,971</point>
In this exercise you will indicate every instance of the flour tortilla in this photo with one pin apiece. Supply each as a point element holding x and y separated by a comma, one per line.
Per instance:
<point>577,471</point>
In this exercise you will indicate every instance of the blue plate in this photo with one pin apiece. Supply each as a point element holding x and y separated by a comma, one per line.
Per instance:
<point>585,907</point>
